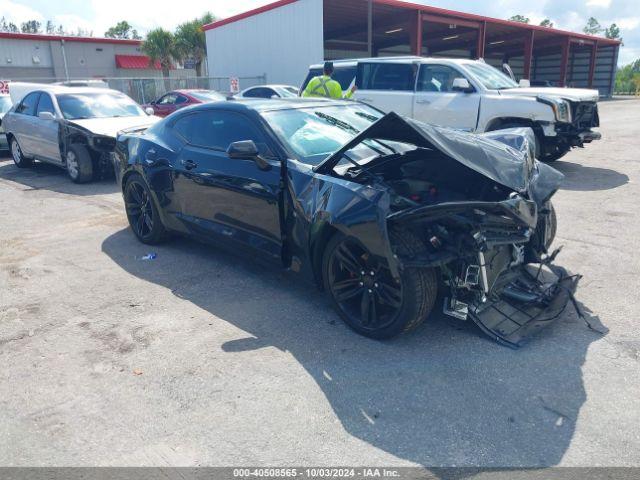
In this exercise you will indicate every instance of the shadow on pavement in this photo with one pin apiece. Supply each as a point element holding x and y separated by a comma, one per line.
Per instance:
<point>44,176</point>
<point>442,396</point>
<point>580,178</point>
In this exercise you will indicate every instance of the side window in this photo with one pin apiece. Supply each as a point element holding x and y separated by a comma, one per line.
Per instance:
<point>260,92</point>
<point>168,99</point>
<point>218,129</point>
<point>344,76</point>
<point>28,104</point>
<point>437,78</point>
<point>45,104</point>
<point>386,76</point>
<point>181,99</point>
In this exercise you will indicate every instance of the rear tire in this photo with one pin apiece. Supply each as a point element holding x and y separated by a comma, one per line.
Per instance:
<point>142,213</point>
<point>79,164</point>
<point>18,157</point>
<point>378,306</point>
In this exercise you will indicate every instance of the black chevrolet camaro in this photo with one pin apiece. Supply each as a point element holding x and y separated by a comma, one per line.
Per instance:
<point>382,212</point>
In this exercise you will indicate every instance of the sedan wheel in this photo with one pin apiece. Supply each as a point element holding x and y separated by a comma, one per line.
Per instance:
<point>72,165</point>
<point>18,156</point>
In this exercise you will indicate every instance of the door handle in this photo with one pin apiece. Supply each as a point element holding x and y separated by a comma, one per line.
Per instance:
<point>189,164</point>
<point>423,102</point>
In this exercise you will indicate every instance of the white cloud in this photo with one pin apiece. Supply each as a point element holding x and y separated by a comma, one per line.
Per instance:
<point>18,13</point>
<point>629,23</point>
<point>599,3</point>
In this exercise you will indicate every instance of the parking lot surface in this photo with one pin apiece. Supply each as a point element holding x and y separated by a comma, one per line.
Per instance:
<point>203,358</point>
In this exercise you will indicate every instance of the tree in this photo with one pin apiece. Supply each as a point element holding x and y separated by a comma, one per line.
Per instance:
<point>160,46</point>
<point>31,26</point>
<point>191,43</point>
<point>592,27</point>
<point>121,30</point>
<point>520,18</point>
<point>546,23</point>
<point>612,32</point>
<point>135,35</point>
<point>50,28</point>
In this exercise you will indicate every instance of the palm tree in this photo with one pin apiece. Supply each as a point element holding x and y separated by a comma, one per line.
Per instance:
<point>191,42</point>
<point>160,47</point>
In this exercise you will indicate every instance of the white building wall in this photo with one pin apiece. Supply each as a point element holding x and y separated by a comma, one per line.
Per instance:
<point>280,43</point>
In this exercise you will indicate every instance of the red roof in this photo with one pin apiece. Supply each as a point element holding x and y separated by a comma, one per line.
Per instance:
<point>423,8</point>
<point>136,62</point>
<point>66,38</point>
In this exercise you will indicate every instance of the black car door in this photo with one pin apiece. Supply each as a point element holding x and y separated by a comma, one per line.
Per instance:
<point>221,198</point>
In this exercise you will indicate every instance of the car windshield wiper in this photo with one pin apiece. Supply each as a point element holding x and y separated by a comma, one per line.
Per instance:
<point>338,123</point>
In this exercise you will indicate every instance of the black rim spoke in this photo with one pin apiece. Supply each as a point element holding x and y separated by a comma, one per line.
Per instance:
<point>347,260</point>
<point>365,304</point>
<point>390,294</point>
<point>347,293</point>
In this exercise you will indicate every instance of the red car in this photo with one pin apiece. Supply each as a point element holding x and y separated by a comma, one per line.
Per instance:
<point>177,99</point>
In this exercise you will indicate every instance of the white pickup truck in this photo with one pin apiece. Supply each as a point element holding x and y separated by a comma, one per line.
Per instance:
<point>474,96</point>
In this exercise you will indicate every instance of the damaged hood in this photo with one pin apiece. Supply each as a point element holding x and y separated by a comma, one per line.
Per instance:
<point>503,156</point>
<point>571,94</point>
<point>110,127</point>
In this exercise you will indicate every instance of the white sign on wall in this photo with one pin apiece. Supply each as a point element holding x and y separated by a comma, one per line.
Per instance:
<point>4,86</point>
<point>234,84</point>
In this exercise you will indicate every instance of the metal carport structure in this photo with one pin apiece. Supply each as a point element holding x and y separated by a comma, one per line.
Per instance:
<point>308,31</point>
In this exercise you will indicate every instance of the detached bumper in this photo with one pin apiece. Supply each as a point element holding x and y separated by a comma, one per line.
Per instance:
<point>525,299</point>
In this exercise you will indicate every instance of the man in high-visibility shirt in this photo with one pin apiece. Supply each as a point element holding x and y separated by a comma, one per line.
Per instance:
<point>324,86</point>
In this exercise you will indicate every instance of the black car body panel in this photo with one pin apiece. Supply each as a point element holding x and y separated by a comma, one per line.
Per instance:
<point>483,238</point>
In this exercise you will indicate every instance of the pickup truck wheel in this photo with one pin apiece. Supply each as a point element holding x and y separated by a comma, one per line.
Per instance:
<point>79,164</point>
<point>18,157</point>
<point>142,212</point>
<point>367,296</point>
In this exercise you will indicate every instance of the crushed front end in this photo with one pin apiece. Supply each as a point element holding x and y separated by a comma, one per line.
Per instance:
<point>494,263</point>
<point>482,207</point>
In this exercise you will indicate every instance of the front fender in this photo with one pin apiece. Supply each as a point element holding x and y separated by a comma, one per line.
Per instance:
<point>497,107</point>
<point>322,203</point>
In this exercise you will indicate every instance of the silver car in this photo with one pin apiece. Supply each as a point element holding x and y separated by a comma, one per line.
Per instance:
<point>5,105</point>
<point>73,128</point>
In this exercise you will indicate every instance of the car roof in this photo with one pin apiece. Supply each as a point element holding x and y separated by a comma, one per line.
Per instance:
<point>192,90</point>
<point>408,58</point>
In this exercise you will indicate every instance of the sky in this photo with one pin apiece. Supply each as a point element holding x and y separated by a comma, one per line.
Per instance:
<point>144,15</point>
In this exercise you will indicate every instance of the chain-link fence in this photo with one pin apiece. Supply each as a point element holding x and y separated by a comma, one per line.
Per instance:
<point>145,90</point>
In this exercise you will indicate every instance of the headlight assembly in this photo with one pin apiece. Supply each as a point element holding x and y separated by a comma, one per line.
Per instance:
<point>561,108</point>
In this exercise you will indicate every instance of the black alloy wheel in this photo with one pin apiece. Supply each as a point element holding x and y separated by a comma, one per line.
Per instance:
<point>363,287</point>
<point>141,212</point>
<point>368,297</point>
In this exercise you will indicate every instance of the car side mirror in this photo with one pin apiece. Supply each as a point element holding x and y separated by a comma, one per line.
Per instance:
<point>462,85</point>
<point>247,150</point>
<point>46,116</point>
<point>524,83</point>
<point>149,111</point>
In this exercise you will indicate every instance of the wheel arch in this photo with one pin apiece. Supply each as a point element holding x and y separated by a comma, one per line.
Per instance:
<point>324,231</point>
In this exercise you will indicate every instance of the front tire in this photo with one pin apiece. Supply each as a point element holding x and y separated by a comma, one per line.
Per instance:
<point>79,164</point>
<point>365,294</point>
<point>142,212</point>
<point>18,157</point>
